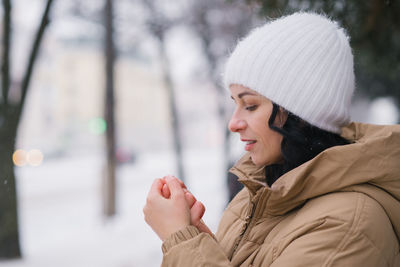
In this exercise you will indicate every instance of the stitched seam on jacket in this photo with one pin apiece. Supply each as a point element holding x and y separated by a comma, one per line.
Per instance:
<point>277,244</point>
<point>352,229</point>
<point>373,245</point>
<point>364,235</point>
<point>317,223</point>
<point>255,242</point>
<point>235,214</point>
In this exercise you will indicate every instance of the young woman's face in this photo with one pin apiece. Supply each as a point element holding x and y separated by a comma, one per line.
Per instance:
<point>250,120</point>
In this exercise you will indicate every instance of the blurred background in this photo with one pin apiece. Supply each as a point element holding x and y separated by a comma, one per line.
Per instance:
<point>99,98</point>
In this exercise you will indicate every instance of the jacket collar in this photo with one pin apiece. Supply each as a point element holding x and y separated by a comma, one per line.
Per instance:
<point>251,176</point>
<point>372,158</point>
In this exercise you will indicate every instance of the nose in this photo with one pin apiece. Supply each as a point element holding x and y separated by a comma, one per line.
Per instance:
<point>236,124</point>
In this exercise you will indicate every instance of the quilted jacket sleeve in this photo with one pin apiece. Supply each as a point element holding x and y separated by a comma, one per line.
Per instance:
<point>189,247</point>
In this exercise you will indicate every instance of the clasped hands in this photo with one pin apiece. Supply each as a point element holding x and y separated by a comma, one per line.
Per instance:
<point>170,207</point>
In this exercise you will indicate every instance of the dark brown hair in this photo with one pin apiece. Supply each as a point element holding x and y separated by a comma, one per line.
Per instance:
<point>301,142</point>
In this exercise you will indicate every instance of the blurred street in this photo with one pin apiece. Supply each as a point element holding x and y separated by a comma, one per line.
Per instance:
<point>60,209</point>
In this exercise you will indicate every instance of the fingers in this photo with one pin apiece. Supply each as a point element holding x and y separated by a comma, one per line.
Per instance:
<point>190,199</point>
<point>197,212</point>
<point>165,191</point>
<point>171,176</point>
<point>166,215</point>
<point>171,187</point>
<point>174,187</point>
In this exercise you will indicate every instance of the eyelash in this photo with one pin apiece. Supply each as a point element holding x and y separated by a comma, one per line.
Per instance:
<point>251,108</point>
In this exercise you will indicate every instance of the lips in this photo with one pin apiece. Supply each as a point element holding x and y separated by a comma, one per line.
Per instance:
<point>249,144</point>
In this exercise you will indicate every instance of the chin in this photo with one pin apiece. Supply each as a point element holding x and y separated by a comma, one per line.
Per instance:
<point>257,162</point>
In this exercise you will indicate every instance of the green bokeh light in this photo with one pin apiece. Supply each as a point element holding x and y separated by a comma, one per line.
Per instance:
<point>97,126</point>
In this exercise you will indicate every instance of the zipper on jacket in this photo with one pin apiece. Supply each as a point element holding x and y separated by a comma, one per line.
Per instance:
<point>260,204</point>
<point>246,225</point>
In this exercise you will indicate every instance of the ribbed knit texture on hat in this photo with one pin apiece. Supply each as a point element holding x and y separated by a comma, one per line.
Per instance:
<point>302,62</point>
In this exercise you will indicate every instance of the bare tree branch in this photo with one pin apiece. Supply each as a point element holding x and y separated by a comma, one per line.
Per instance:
<point>32,59</point>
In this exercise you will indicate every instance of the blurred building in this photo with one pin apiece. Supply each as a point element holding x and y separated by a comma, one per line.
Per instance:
<point>67,94</point>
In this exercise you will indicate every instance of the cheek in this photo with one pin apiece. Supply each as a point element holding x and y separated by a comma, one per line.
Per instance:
<point>271,139</point>
<point>271,148</point>
<point>277,141</point>
<point>261,128</point>
<point>260,125</point>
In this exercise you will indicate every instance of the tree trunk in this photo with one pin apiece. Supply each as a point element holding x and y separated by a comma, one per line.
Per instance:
<point>10,115</point>
<point>110,183</point>
<point>5,64</point>
<point>9,237</point>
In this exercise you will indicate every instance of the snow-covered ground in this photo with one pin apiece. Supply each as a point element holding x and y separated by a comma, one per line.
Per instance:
<point>60,209</point>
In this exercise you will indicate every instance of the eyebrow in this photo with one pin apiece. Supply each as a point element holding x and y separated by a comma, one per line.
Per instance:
<point>243,94</point>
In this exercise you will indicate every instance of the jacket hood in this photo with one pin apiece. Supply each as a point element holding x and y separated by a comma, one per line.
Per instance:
<point>370,164</point>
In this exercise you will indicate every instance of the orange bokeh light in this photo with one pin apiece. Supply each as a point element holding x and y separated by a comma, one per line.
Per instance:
<point>19,157</point>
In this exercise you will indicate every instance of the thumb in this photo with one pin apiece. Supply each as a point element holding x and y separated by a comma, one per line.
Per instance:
<point>156,188</point>
<point>165,191</point>
<point>196,213</point>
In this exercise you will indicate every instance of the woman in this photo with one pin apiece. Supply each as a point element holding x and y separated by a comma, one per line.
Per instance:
<point>319,190</point>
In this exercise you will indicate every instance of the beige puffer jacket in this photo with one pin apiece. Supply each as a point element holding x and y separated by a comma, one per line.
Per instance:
<point>341,208</point>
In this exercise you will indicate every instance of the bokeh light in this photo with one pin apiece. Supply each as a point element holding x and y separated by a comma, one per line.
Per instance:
<point>97,126</point>
<point>19,157</point>
<point>383,110</point>
<point>34,157</point>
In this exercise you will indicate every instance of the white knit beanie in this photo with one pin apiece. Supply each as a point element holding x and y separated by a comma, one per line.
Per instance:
<point>302,62</point>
